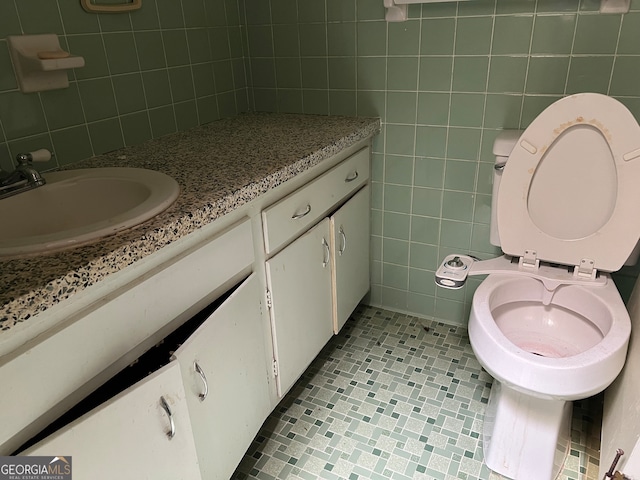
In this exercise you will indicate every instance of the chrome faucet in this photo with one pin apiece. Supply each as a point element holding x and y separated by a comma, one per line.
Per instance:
<point>25,176</point>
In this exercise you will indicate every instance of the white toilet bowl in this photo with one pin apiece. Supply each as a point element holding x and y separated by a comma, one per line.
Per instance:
<point>548,322</point>
<point>570,349</point>
<point>543,351</point>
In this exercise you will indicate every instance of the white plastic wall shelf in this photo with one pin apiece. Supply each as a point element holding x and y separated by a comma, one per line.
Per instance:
<point>614,6</point>
<point>397,9</point>
<point>40,63</point>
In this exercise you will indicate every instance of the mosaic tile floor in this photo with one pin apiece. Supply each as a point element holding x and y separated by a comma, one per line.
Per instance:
<point>393,397</point>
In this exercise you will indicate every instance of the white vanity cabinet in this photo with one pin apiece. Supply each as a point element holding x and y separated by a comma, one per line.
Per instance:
<point>128,437</point>
<point>92,345</point>
<point>215,388</point>
<point>225,375</point>
<point>312,291</point>
<point>302,249</point>
<point>350,256</point>
<point>299,281</point>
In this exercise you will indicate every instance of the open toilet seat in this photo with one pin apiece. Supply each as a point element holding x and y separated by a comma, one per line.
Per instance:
<point>551,208</point>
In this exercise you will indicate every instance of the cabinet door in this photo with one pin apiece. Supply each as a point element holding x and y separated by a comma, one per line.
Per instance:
<point>145,304</point>
<point>224,367</point>
<point>127,437</point>
<point>350,235</point>
<point>300,283</point>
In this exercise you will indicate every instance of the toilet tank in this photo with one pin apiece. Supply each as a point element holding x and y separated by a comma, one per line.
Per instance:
<point>502,147</point>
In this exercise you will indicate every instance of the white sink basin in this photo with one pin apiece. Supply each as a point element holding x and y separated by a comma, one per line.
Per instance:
<point>76,207</point>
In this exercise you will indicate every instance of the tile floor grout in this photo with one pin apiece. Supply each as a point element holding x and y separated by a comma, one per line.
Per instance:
<point>394,397</point>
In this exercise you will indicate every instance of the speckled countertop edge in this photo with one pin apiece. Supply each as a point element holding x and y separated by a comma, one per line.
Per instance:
<point>219,167</point>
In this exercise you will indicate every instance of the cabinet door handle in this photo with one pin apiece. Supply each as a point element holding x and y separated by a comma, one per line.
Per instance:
<point>171,433</point>
<point>200,372</point>
<point>296,216</point>
<point>351,177</point>
<point>327,256</point>
<point>343,245</point>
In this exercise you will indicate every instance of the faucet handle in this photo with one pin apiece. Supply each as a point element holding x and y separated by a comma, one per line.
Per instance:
<point>41,155</point>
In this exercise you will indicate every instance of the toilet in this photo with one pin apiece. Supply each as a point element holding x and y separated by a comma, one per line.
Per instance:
<point>548,323</point>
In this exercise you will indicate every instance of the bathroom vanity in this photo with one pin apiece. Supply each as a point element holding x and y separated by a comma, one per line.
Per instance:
<point>271,227</point>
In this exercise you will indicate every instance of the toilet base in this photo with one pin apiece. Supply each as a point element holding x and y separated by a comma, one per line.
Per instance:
<point>525,437</point>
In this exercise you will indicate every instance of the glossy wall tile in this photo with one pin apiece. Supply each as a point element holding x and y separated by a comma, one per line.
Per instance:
<point>167,67</point>
<point>445,82</point>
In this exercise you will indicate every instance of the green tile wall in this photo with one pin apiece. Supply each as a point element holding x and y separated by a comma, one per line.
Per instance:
<point>444,83</point>
<point>167,67</point>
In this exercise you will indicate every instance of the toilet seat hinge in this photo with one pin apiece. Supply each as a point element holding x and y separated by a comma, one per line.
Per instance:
<point>586,269</point>
<point>529,260</point>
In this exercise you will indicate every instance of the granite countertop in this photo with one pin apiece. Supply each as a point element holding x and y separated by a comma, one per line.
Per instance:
<point>219,167</point>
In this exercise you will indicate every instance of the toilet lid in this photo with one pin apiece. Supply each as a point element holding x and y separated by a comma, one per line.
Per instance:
<point>571,189</point>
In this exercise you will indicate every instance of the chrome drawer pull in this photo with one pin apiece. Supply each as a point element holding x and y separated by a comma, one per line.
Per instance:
<point>352,177</point>
<point>327,257</point>
<point>171,433</point>
<point>204,394</point>
<point>343,245</point>
<point>300,215</point>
